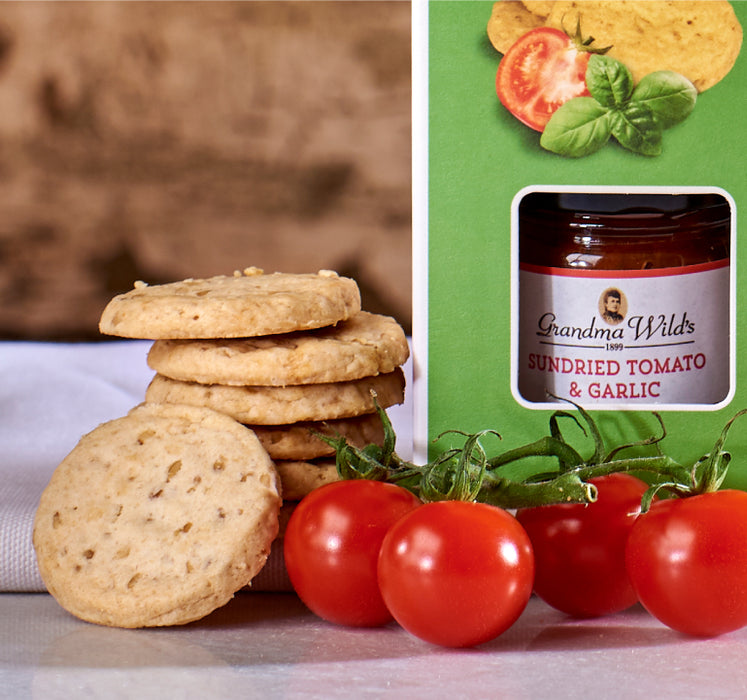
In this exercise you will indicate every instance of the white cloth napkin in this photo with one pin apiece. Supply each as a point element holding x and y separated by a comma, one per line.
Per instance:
<point>50,395</point>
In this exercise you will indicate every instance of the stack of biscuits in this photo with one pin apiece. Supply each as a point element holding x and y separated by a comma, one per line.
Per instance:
<point>160,516</point>
<point>286,355</point>
<point>305,359</point>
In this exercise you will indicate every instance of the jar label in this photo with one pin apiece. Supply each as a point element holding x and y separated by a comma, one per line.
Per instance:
<point>612,338</point>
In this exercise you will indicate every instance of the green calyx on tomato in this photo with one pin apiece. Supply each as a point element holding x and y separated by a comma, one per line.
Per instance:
<point>705,476</point>
<point>579,549</point>
<point>582,43</point>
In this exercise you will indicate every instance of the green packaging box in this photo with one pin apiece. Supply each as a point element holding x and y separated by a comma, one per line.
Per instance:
<point>474,166</point>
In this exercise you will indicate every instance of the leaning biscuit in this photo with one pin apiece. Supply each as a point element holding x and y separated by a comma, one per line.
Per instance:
<point>362,346</point>
<point>281,405</point>
<point>242,305</point>
<point>157,518</point>
<point>298,441</point>
<point>699,39</point>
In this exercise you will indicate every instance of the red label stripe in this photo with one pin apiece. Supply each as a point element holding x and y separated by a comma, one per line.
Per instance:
<point>624,274</point>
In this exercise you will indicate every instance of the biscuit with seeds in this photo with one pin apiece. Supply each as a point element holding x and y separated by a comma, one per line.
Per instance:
<point>300,478</point>
<point>364,345</point>
<point>238,306</point>
<point>282,405</point>
<point>157,518</point>
<point>297,441</point>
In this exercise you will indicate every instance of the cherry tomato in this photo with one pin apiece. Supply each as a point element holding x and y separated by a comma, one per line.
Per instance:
<point>456,573</point>
<point>542,70</point>
<point>331,547</point>
<point>579,549</point>
<point>687,561</point>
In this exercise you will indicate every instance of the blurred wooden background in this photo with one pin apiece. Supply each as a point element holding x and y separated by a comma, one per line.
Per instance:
<point>163,140</point>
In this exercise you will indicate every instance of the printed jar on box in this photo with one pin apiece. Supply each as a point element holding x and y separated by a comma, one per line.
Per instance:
<point>623,299</point>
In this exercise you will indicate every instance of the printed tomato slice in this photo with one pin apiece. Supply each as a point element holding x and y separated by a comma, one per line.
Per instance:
<point>540,72</point>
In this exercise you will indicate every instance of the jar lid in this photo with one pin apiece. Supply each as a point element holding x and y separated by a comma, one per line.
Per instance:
<point>623,213</point>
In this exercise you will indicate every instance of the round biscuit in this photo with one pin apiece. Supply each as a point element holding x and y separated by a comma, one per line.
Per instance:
<point>364,345</point>
<point>282,405</point>
<point>238,306</point>
<point>654,35</point>
<point>300,477</point>
<point>297,441</point>
<point>157,518</point>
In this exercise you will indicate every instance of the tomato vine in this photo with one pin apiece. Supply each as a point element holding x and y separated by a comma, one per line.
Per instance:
<point>469,473</point>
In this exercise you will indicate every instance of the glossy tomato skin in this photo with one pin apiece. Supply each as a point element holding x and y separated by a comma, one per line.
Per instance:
<point>456,574</point>
<point>579,549</point>
<point>687,559</point>
<point>331,547</point>
<point>542,70</point>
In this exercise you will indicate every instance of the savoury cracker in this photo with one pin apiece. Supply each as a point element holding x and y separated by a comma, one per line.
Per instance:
<point>364,345</point>
<point>281,405</point>
<point>298,441</point>
<point>300,477</point>
<point>246,304</point>
<point>157,518</point>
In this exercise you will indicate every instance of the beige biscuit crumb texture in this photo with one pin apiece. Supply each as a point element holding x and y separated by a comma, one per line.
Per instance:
<point>157,518</point>
<point>327,273</point>
<point>282,405</point>
<point>231,307</point>
<point>300,478</point>
<point>298,441</point>
<point>251,271</point>
<point>139,284</point>
<point>364,345</point>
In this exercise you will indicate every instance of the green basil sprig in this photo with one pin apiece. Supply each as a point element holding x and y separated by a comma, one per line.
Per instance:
<point>635,115</point>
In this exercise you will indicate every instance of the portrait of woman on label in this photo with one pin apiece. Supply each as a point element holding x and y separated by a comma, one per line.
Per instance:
<point>613,306</point>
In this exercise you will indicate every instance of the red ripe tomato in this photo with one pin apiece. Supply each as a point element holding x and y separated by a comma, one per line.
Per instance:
<point>540,72</point>
<point>331,547</point>
<point>455,573</point>
<point>579,549</point>
<point>687,560</point>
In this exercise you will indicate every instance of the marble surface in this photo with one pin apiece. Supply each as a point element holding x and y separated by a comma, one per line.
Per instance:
<point>265,645</point>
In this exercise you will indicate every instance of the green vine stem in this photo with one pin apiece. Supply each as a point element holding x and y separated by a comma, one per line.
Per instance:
<point>468,473</point>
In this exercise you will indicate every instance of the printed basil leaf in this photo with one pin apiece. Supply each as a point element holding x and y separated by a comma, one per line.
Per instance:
<point>577,128</point>
<point>670,96</point>
<point>609,81</point>
<point>636,129</point>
